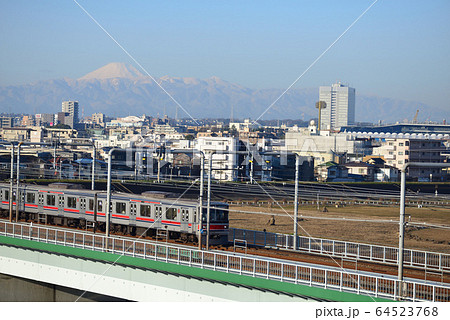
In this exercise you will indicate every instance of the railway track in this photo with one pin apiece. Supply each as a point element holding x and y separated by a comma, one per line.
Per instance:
<point>285,191</point>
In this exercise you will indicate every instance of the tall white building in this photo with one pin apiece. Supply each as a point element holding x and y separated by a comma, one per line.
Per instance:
<point>71,107</point>
<point>340,109</point>
<point>224,161</point>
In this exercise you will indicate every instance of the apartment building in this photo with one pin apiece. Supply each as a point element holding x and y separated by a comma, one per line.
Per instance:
<point>224,161</point>
<point>398,152</point>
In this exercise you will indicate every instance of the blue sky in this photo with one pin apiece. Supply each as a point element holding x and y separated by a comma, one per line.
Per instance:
<point>399,49</point>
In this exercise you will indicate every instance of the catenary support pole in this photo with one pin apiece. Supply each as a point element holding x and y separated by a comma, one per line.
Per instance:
<point>297,160</point>
<point>200,210</point>
<point>401,236</point>
<point>93,166</point>
<point>17,182</point>
<point>11,182</point>
<point>401,240</point>
<point>108,196</point>
<point>208,211</point>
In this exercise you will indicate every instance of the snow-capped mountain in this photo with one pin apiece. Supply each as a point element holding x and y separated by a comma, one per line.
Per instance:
<point>118,89</point>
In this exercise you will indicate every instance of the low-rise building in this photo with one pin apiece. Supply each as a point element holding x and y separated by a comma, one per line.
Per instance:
<point>364,169</point>
<point>15,134</point>
<point>331,171</point>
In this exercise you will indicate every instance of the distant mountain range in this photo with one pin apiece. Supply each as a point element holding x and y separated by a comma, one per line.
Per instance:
<point>118,89</point>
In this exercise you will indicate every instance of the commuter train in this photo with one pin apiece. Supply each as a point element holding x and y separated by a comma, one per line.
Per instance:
<point>148,214</point>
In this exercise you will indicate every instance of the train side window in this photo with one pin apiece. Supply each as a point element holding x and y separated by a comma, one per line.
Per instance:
<point>146,210</point>
<point>6,195</point>
<point>31,197</point>
<point>121,207</point>
<point>71,202</point>
<point>51,199</point>
<point>100,205</point>
<point>91,204</point>
<point>171,213</point>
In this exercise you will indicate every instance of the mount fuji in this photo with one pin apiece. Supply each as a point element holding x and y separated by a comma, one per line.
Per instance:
<point>118,89</point>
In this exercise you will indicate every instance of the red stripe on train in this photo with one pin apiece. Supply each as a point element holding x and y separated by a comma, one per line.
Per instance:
<point>145,219</point>
<point>50,208</point>
<point>171,222</point>
<point>120,216</point>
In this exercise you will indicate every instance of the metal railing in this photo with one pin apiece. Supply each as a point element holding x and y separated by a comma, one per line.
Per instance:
<point>284,271</point>
<point>342,249</point>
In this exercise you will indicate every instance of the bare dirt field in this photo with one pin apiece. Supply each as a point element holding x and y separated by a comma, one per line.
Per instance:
<point>331,225</point>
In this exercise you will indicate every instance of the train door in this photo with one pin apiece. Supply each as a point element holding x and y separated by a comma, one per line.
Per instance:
<point>42,215</point>
<point>30,201</point>
<point>184,219</point>
<point>158,216</point>
<point>40,202</point>
<point>83,207</point>
<point>83,204</point>
<point>21,200</point>
<point>133,211</point>
<point>61,204</point>
<point>5,198</point>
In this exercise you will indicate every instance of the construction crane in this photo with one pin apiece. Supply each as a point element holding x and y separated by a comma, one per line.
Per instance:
<point>415,117</point>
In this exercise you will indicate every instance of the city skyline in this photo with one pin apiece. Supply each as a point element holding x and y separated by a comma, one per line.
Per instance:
<point>387,53</point>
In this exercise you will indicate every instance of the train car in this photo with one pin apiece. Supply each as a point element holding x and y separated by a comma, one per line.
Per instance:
<point>146,214</point>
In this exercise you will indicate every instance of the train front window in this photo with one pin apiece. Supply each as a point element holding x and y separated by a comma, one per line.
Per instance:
<point>215,215</point>
<point>221,215</point>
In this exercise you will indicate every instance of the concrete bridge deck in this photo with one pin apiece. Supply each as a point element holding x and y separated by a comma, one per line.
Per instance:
<point>141,271</point>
